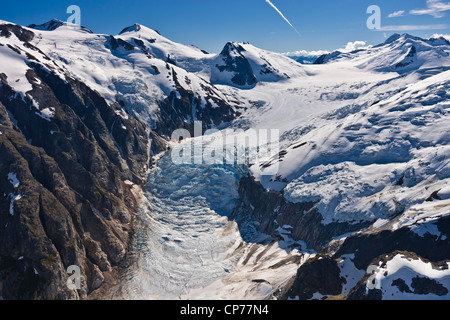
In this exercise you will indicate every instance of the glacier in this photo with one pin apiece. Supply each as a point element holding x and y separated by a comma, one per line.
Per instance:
<point>186,247</point>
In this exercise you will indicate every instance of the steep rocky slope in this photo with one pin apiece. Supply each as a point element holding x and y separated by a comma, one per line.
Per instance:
<point>73,159</point>
<point>70,159</point>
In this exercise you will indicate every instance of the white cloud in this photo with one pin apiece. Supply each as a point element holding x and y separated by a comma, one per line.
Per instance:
<point>435,8</point>
<point>304,53</point>
<point>351,46</point>
<point>397,14</point>
<point>445,36</point>
<point>356,45</point>
<point>414,27</point>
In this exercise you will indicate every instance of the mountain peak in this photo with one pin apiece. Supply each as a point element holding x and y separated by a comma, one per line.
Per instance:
<point>392,38</point>
<point>397,37</point>
<point>134,28</point>
<point>138,28</point>
<point>235,48</point>
<point>55,24</point>
<point>407,36</point>
<point>230,47</point>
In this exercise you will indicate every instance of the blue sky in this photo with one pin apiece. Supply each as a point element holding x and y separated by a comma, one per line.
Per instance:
<point>209,24</point>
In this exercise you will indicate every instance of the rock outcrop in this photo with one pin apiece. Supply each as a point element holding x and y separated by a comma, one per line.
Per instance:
<point>321,277</point>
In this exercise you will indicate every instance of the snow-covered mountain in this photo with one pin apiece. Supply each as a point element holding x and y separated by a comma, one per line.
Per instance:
<point>133,70</point>
<point>399,53</point>
<point>190,58</point>
<point>243,65</point>
<point>362,176</point>
<point>77,112</point>
<point>372,165</point>
<point>305,59</point>
<point>55,24</point>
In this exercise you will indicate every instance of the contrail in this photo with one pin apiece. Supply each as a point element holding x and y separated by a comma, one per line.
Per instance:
<point>282,15</point>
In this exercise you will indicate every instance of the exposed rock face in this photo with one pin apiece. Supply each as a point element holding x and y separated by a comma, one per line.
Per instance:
<point>327,57</point>
<point>70,206</point>
<point>317,275</point>
<point>242,65</point>
<point>53,25</point>
<point>116,43</point>
<point>271,210</point>
<point>234,62</point>
<point>409,58</point>
<point>22,34</point>
<point>181,108</point>
<point>367,246</point>
<point>419,285</point>
<point>71,160</point>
